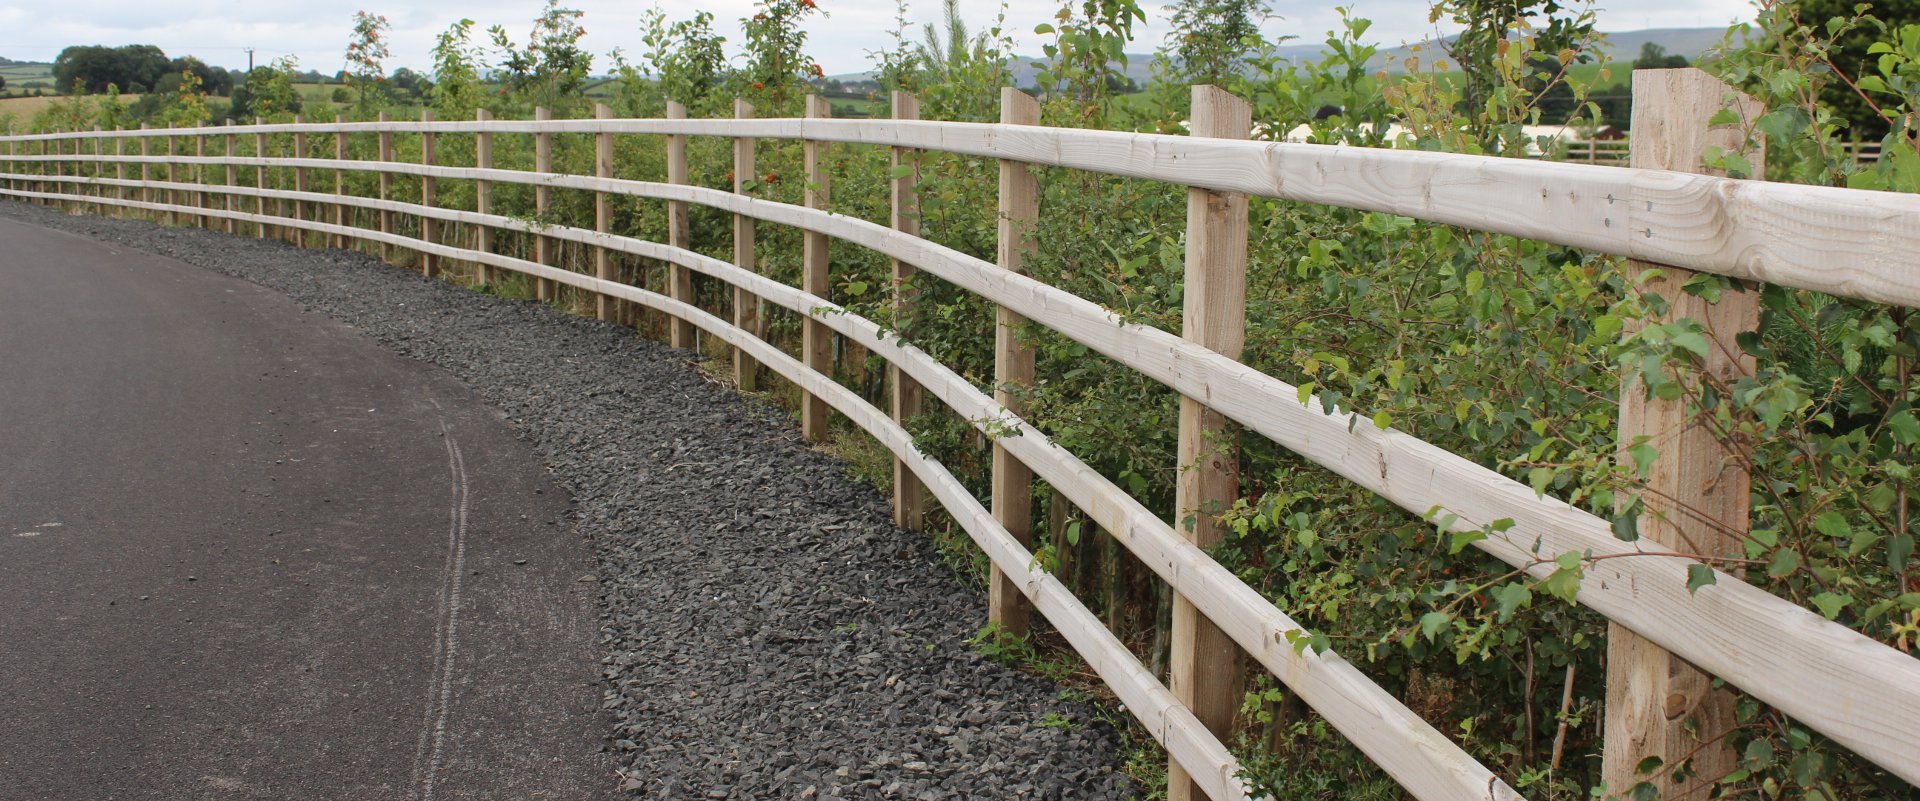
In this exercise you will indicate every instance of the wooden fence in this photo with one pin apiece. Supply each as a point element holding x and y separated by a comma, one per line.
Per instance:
<point>1667,641</point>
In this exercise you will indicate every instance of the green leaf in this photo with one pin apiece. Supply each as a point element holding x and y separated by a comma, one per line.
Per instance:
<point>1698,575</point>
<point>1830,603</point>
<point>1306,392</point>
<point>1563,584</point>
<point>1648,765</point>
<point>1725,116</point>
<point>1693,341</point>
<point>1833,524</point>
<point>1382,421</point>
<point>1073,533</point>
<point>1043,28</point>
<point>1905,428</point>
<point>1784,562</point>
<point>1508,598</point>
<point>1432,622</point>
<point>1643,454</point>
<point>1459,540</point>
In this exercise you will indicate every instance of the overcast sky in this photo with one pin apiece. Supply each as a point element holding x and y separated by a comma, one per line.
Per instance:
<point>316,33</point>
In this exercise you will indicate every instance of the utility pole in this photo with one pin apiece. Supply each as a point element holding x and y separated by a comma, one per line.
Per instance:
<point>249,61</point>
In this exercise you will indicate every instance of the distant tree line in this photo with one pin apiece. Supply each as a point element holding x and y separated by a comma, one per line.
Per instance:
<point>133,69</point>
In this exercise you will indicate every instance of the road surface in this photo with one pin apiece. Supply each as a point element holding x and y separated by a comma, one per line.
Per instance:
<point>247,553</point>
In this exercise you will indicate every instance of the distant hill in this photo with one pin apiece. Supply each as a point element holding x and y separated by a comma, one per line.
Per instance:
<point>1621,46</point>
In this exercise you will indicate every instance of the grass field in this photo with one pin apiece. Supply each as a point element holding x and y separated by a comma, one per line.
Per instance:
<point>23,108</point>
<point>20,76</point>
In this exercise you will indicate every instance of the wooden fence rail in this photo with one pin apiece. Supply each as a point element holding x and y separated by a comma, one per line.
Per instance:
<point>1864,695</point>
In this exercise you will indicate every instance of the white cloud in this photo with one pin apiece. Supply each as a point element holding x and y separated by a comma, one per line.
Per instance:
<point>220,32</point>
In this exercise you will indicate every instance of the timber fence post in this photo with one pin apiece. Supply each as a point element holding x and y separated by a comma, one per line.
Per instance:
<point>173,152</point>
<point>483,194</point>
<point>679,278</point>
<point>429,195</point>
<point>120,168</point>
<point>98,190</point>
<point>816,338</point>
<point>1013,364</point>
<point>1696,497</point>
<point>300,177</point>
<point>1205,662</point>
<point>909,495</point>
<point>260,229</point>
<point>385,155</point>
<point>146,168</point>
<point>543,289</point>
<point>340,181</point>
<point>199,198</point>
<point>746,305</point>
<point>233,175</point>
<point>605,306</point>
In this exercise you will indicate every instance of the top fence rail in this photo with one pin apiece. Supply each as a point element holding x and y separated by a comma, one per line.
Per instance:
<point>1845,242</point>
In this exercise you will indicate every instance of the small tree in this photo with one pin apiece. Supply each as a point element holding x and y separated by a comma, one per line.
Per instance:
<point>777,64</point>
<point>456,91</point>
<point>686,56</point>
<point>366,61</point>
<point>553,67</point>
<point>269,91</point>
<point>1212,39</point>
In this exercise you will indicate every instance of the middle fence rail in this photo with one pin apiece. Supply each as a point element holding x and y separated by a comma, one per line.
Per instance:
<point>1861,693</point>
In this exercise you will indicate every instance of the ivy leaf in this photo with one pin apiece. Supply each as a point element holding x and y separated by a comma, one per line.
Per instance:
<point>1073,533</point>
<point>1698,575</point>
<point>1383,421</point>
<point>1830,603</point>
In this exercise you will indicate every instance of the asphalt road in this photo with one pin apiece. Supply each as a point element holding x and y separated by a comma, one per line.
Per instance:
<point>246,553</point>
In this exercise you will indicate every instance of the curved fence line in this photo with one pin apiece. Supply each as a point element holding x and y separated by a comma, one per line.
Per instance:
<point>1873,692</point>
<point>1847,242</point>
<point>1861,693</point>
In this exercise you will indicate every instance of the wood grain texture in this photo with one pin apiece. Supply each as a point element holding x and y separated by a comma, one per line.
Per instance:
<point>300,184</point>
<point>385,154</point>
<point>261,231</point>
<point>543,289</point>
<point>606,307</point>
<point>339,182</point>
<point>233,174</point>
<point>429,196</point>
<point>1205,663</point>
<point>679,281</point>
<point>909,496</point>
<point>1847,242</point>
<point>199,198</point>
<point>1863,694</point>
<point>816,340</point>
<point>483,195</point>
<point>1696,495</point>
<point>1013,362</point>
<point>746,305</point>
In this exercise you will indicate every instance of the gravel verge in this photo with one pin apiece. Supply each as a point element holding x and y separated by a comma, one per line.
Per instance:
<point>767,632</point>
